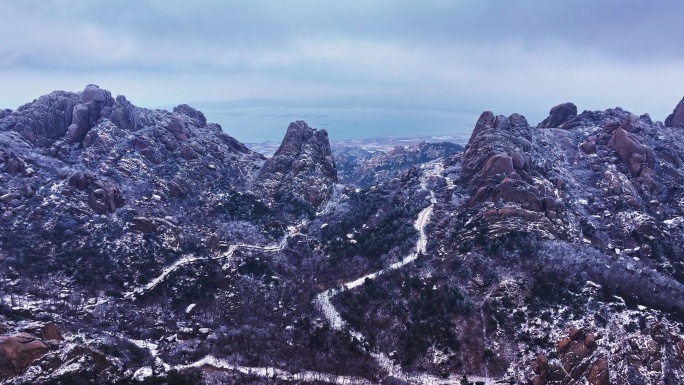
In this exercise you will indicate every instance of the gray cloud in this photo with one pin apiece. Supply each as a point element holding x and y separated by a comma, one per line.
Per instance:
<point>430,55</point>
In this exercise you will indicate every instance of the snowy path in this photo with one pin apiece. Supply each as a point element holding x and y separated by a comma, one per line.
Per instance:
<point>307,376</point>
<point>188,259</point>
<point>336,322</point>
<point>215,363</point>
<point>322,300</point>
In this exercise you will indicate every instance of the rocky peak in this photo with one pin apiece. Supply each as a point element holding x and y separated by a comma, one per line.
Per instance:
<point>87,111</point>
<point>676,118</point>
<point>499,170</point>
<point>303,164</point>
<point>493,145</point>
<point>559,115</point>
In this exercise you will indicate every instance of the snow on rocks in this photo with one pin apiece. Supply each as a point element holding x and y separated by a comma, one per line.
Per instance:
<point>189,259</point>
<point>323,299</point>
<point>269,372</point>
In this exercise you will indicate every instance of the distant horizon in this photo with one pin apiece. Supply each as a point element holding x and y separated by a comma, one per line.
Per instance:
<point>356,68</point>
<point>258,120</point>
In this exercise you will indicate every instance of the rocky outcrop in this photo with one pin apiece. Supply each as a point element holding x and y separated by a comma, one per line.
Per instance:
<point>47,331</point>
<point>303,164</point>
<point>645,357</point>
<point>598,118</point>
<point>58,115</point>
<point>17,352</point>
<point>87,111</point>
<point>559,115</point>
<point>576,360</point>
<point>43,121</point>
<point>498,167</point>
<point>103,198</point>
<point>14,164</point>
<point>676,118</point>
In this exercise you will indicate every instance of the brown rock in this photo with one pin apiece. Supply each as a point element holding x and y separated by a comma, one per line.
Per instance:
<point>17,352</point>
<point>590,341</point>
<point>588,147</point>
<point>574,359</point>
<point>303,164</point>
<point>632,124</point>
<point>80,123</point>
<point>579,349</point>
<point>14,164</point>
<point>106,198</point>
<point>598,373</point>
<point>498,164</point>
<point>676,118</point>
<point>576,334</point>
<point>556,372</point>
<point>635,164</point>
<point>409,175</point>
<point>563,345</point>
<point>178,127</point>
<point>50,331</point>
<point>626,144</point>
<point>559,115</point>
<point>81,180</point>
<point>659,332</point>
<point>541,366</point>
<point>518,161</point>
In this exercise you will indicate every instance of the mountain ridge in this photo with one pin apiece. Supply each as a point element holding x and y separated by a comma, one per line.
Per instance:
<point>147,244</point>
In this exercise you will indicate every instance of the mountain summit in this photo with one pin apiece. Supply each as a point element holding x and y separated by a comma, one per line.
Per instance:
<point>303,164</point>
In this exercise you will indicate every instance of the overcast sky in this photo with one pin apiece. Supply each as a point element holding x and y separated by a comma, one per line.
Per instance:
<point>356,68</point>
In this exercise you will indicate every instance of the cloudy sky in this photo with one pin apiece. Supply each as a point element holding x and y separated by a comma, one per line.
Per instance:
<point>356,68</point>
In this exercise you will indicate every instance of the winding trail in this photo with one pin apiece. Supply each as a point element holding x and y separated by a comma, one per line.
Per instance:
<point>188,259</point>
<point>306,376</point>
<point>323,302</point>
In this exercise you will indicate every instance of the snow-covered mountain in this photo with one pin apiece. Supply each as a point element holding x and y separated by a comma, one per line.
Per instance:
<point>148,246</point>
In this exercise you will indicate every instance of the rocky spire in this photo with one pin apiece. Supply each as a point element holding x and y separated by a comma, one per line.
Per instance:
<point>303,164</point>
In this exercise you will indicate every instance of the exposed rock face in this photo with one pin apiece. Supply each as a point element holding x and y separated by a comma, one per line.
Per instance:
<point>43,121</point>
<point>576,360</point>
<point>559,115</point>
<point>498,167</point>
<point>47,331</point>
<point>14,164</point>
<point>93,183</point>
<point>628,146</point>
<point>105,198</point>
<point>639,358</point>
<point>88,111</point>
<point>676,118</point>
<point>50,331</point>
<point>17,352</point>
<point>303,164</point>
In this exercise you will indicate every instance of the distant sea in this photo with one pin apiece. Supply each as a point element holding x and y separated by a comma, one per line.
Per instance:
<point>263,124</point>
